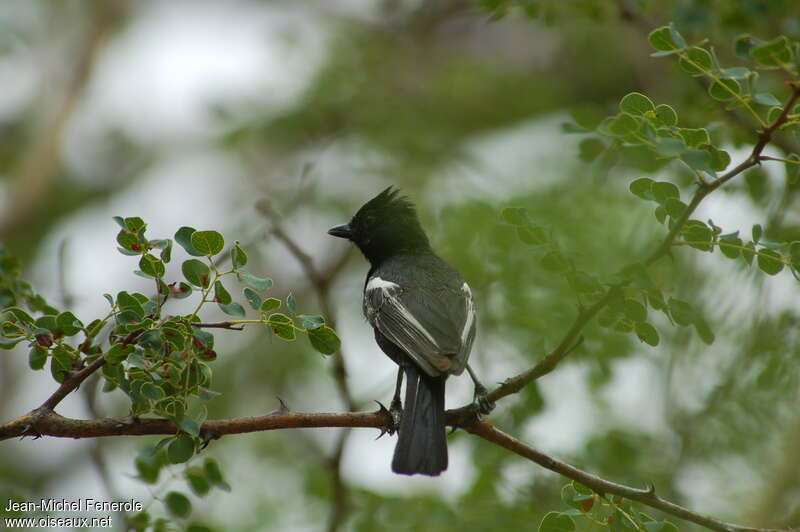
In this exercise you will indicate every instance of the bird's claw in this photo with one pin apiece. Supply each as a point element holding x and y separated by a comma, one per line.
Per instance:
<point>481,403</point>
<point>396,411</point>
<point>393,412</point>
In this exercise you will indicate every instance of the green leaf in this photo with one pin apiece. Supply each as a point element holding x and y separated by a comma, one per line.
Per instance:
<point>532,235</point>
<point>669,147</point>
<point>720,159</point>
<point>178,504</point>
<point>238,256</point>
<point>736,73</point>
<point>233,309</point>
<point>126,301</point>
<point>196,478</point>
<point>208,243</point>
<point>515,215</point>
<point>270,304</point>
<point>770,261</point>
<point>743,44</point>
<point>184,238</point>
<point>748,253</point>
<point>182,291</point>
<point>129,242</point>
<point>638,276</point>
<point>674,207</point>
<point>151,391</point>
<point>664,39</point>
<point>793,169</point>
<point>662,190</point>
<point>324,340</point>
<point>214,474</point>
<point>776,52</point>
<point>60,363</point>
<point>557,522</point>
<point>757,232</point>
<point>794,253</point>
<point>135,224</point>
<point>589,149</point>
<point>196,272</point>
<point>68,324</point>
<point>730,245</point>
<point>636,103</point>
<point>221,295</point>
<point>282,326</point>
<point>698,235</point>
<point>682,312</point>
<point>724,89</point>
<point>624,124</point>
<point>118,353</point>
<point>152,266</point>
<point>698,160</point>
<point>666,115</point>
<point>174,337</point>
<point>703,330</point>
<point>643,188</point>
<point>766,98</point>
<point>37,357</point>
<point>696,60</point>
<point>635,310</point>
<point>773,114</point>
<point>647,333</point>
<point>554,261</point>
<point>291,304</point>
<point>252,297</point>
<point>181,449</point>
<point>310,322</point>
<point>47,322</point>
<point>258,283</point>
<point>694,137</point>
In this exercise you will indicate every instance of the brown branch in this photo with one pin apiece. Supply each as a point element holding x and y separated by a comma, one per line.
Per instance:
<point>601,486</point>
<point>45,422</point>
<point>217,325</point>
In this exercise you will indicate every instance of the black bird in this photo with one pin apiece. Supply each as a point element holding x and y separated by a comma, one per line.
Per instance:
<point>424,320</point>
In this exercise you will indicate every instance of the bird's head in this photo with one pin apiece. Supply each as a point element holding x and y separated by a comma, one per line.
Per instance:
<point>385,225</point>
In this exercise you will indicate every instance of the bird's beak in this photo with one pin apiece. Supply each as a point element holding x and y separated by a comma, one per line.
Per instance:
<point>342,231</point>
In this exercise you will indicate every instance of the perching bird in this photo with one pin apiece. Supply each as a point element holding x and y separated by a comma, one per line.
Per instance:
<point>424,319</point>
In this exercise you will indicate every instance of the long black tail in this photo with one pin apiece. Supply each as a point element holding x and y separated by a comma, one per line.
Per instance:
<point>422,442</point>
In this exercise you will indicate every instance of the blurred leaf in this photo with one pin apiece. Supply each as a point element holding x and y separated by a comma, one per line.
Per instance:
<point>556,522</point>
<point>770,261</point>
<point>178,504</point>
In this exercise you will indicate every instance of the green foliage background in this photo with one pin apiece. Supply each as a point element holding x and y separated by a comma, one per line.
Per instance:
<point>459,104</point>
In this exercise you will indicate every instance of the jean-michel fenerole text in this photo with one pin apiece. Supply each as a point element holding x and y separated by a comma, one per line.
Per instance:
<point>77,505</point>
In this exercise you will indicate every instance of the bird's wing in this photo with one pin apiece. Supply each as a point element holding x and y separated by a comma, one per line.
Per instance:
<point>435,326</point>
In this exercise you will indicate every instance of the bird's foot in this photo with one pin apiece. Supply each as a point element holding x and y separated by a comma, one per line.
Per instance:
<point>482,405</point>
<point>396,411</point>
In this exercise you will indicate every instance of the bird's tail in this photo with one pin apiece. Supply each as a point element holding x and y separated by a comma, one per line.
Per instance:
<point>422,442</point>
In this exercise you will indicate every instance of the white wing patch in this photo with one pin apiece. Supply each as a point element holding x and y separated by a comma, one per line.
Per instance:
<point>389,290</point>
<point>377,282</point>
<point>470,313</point>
